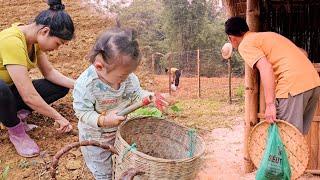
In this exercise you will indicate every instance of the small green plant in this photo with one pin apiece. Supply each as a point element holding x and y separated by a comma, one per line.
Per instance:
<point>240,91</point>
<point>175,108</point>
<point>23,164</point>
<point>146,112</point>
<point>4,174</point>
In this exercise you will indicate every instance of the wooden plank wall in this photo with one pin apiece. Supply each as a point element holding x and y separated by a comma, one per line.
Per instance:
<point>313,138</point>
<point>313,142</point>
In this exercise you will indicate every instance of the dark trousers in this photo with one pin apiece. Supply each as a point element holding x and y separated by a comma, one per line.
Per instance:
<point>11,101</point>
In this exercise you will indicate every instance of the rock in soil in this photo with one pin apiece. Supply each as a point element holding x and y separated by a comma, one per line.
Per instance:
<point>73,165</point>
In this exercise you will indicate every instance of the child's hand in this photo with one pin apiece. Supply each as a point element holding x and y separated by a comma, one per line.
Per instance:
<point>110,120</point>
<point>160,101</point>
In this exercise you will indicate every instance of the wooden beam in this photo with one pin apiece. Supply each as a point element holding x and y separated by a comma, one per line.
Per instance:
<point>251,111</point>
<point>253,15</point>
<point>153,64</point>
<point>170,58</point>
<point>229,77</point>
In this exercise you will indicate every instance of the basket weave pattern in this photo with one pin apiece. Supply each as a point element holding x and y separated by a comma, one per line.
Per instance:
<point>162,149</point>
<point>294,142</point>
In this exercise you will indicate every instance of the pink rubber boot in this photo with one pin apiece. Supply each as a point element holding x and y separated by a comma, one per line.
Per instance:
<point>22,115</point>
<point>24,145</point>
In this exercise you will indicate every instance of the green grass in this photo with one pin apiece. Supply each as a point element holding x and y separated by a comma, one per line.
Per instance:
<point>203,113</point>
<point>239,92</point>
<point>208,114</point>
<point>5,172</point>
<point>23,164</point>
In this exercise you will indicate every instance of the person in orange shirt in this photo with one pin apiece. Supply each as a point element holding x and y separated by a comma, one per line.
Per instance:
<point>290,81</point>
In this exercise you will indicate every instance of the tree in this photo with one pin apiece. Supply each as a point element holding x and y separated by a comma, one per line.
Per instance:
<point>183,23</point>
<point>180,26</point>
<point>145,17</point>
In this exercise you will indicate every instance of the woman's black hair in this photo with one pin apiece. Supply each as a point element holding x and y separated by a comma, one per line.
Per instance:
<point>236,26</point>
<point>115,42</point>
<point>59,21</point>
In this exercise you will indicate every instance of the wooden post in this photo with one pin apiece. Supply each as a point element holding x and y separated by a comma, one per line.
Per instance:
<point>253,14</point>
<point>169,70</point>
<point>251,110</point>
<point>153,64</point>
<point>229,8</point>
<point>199,83</point>
<point>314,146</point>
<point>229,76</point>
<point>252,87</point>
<point>188,64</point>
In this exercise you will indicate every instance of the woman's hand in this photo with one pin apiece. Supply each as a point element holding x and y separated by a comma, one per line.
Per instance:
<point>110,120</point>
<point>64,125</point>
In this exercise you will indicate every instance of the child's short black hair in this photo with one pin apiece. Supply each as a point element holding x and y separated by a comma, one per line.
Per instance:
<point>236,26</point>
<point>59,21</point>
<point>115,42</point>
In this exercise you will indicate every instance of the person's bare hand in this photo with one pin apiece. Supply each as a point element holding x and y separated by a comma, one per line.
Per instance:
<point>64,125</point>
<point>270,113</point>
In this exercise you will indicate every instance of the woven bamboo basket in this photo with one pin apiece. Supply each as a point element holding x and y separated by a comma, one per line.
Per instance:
<point>164,150</point>
<point>294,142</point>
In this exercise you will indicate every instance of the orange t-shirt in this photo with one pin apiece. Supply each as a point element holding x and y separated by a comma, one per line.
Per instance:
<point>294,72</point>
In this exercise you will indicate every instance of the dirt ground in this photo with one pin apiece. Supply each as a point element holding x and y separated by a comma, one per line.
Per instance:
<point>220,124</point>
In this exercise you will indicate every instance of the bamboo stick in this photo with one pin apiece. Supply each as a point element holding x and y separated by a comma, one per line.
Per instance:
<point>153,64</point>
<point>199,83</point>
<point>251,111</point>
<point>169,70</point>
<point>253,15</point>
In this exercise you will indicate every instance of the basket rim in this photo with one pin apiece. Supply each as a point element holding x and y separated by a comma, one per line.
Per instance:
<point>283,122</point>
<point>277,121</point>
<point>162,160</point>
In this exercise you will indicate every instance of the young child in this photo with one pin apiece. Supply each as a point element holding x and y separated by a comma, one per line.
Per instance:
<point>106,87</point>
